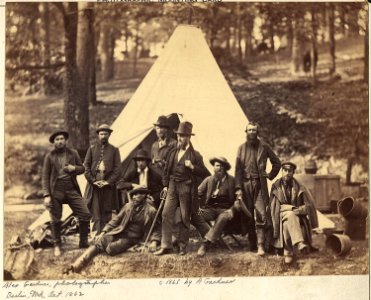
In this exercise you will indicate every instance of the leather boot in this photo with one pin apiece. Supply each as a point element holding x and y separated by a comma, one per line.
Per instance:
<point>260,236</point>
<point>83,260</point>
<point>56,232</point>
<point>84,231</point>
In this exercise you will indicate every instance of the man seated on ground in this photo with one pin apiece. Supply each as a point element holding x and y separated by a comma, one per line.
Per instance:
<point>293,214</point>
<point>143,175</point>
<point>218,190</point>
<point>128,228</point>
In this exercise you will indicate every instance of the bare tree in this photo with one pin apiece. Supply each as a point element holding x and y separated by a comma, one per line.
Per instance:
<point>331,26</point>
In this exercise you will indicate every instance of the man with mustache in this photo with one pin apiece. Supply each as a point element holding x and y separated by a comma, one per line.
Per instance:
<point>184,164</point>
<point>218,191</point>
<point>293,214</point>
<point>102,170</point>
<point>60,186</point>
<point>162,146</point>
<point>125,230</point>
<point>251,184</point>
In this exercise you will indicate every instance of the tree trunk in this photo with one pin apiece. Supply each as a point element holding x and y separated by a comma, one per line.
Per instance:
<point>314,51</point>
<point>85,48</point>
<point>365,69</point>
<point>136,41</point>
<point>325,29</point>
<point>271,34</point>
<point>45,51</point>
<point>75,112</point>
<point>348,175</point>
<point>239,33</point>
<point>331,26</point>
<point>342,17</point>
<point>92,78</point>
<point>296,57</point>
<point>290,34</point>
<point>106,59</point>
<point>249,26</point>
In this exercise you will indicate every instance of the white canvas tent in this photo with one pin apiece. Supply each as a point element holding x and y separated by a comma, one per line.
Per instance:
<point>185,83</point>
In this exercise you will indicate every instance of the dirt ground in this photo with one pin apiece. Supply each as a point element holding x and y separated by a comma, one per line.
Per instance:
<point>218,262</point>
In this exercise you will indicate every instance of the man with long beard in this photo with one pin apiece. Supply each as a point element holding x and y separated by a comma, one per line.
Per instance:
<point>293,214</point>
<point>251,184</point>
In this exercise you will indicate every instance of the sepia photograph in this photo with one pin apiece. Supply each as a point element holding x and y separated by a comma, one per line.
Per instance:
<point>185,139</point>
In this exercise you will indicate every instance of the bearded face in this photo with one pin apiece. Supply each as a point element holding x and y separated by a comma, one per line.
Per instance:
<point>287,174</point>
<point>252,133</point>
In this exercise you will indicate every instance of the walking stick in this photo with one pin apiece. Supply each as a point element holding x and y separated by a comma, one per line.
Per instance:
<point>162,197</point>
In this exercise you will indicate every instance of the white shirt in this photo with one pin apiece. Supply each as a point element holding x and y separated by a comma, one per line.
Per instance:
<point>181,152</point>
<point>143,177</point>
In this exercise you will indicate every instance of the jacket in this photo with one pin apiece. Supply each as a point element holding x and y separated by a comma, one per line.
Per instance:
<point>205,189</point>
<point>197,174</point>
<point>50,173</point>
<point>119,223</point>
<point>265,152</point>
<point>302,200</point>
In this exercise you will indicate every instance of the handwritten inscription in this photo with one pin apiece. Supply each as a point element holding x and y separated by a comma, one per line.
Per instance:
<point>44,290</point>
<point>188,282</point>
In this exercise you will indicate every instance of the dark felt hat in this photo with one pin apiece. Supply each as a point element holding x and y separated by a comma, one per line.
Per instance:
<point>141,155</point>
<point>162,122</point>
<point>185,128</point>
<point>139,190</point>
<point>104,127</point>
<point>221,160</point>
<point>56,133</point>
<point>288,165</point>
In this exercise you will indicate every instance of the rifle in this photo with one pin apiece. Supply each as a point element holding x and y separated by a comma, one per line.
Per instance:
<point>162,203</point>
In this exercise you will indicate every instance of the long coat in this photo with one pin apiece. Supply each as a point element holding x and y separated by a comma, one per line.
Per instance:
<point>301,199</point>
<point>265,152</point>
<point>50,171</point>
<point>154,183</point>
<point>197,174</point>
<point>119,223</point>
<point>206,188</point>
<point>112,163</point>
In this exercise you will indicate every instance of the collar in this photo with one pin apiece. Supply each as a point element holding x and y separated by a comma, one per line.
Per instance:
<point>180,149</point>
<point>145,170</point>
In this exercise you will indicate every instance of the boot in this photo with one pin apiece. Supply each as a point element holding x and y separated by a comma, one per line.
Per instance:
<point>260,237</point>
<point>84,231</point>
<point>203,248</point>
<point>56,231</point>
<point>83,260</point>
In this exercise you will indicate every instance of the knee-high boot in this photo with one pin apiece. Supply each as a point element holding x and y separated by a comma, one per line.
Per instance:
<point>56,232</point>
<point>84,231</point>
<point>84,259</point>
<point>261,239</point>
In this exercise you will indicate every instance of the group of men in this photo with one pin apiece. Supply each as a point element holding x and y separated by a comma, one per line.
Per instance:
<point>175,170</point>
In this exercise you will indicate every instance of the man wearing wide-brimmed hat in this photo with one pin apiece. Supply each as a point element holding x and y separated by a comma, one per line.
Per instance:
<point>60,186</point>
<point>102,170</point>
<point>217,191</point>
<point>293,214</point>
<point>143,174</point>
<point>184,166</point>
<point>131,226</point>
<point>162,146</point>
<point>251,184</point>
